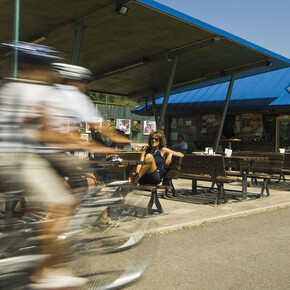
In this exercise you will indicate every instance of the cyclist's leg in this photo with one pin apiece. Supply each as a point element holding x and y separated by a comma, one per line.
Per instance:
<point>47,191</point>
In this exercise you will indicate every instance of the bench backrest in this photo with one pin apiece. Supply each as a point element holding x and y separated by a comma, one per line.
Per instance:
<point>286,164</point>
<point>212,165</point>
<point>270,162</point>
<point>173,170</point>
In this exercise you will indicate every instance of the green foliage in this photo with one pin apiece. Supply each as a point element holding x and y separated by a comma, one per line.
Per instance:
<point>115,100</point>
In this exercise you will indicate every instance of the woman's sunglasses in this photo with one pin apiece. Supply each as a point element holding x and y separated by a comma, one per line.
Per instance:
<point>155,139</point>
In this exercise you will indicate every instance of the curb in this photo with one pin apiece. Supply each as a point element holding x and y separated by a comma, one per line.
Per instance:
<point>198,223</point>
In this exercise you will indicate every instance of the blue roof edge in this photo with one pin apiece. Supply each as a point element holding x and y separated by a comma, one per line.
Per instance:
<point>210,28</point>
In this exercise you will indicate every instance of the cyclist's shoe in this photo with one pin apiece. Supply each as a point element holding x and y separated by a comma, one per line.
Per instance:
<point>58,282</point>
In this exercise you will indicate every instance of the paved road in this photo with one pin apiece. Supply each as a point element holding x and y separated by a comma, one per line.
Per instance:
<point>245,253</point>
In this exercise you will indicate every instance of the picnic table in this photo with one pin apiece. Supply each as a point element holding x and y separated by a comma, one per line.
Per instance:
<point>211,168</point>
<point>244,168</point>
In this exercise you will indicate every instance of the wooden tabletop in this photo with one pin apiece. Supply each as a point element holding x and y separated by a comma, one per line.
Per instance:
<point>230,140</point>
<point>123,162</point>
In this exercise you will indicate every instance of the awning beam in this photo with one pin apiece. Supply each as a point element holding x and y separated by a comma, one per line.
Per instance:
<point>154,109</point>
<point>15,37</point>
<point>227,101</point>
<point>79,29</point>
<point>208,77</point>
<point>167,92</point>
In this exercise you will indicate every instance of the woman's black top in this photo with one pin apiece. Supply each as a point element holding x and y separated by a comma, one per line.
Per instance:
<point>159,159</point>
<point>154,177</point>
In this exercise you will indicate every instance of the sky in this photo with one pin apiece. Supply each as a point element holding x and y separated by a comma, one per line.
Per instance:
<point>262,22</point>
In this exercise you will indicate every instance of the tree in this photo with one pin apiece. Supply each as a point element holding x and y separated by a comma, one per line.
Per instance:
<point>115,100</point>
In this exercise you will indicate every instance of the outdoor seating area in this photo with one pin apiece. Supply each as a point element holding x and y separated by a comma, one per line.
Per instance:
<point>86,174</point>
<point>244,171</point>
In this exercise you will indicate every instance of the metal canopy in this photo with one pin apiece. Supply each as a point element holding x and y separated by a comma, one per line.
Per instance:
<point>131,54</point>
<point>255,93</point>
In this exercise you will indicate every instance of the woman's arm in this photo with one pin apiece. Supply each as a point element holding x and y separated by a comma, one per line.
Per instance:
<point>167,151</point>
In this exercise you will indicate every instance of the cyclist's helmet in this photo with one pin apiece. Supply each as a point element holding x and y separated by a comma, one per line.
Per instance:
<point>73,72</point>
<point>34,52</point>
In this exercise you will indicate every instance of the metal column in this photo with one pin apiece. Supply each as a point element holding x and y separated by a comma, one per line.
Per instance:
<point>167,92</point>
<point>229,93</point>
<point>106,108</point>
<point>15,37</point>
<point>154,109</point>
<point>79,29</point>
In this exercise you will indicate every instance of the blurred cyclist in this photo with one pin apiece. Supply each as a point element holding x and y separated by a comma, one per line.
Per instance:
<point>29,113</point>
<point>73,84</point>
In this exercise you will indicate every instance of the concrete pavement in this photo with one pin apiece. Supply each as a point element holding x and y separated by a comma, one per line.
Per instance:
<point>188,211</point>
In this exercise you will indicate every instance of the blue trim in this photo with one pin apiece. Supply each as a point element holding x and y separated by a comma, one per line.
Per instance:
<point>251,93</point>
<point>210,28</point>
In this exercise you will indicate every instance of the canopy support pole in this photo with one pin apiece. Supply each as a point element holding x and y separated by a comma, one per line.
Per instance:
<point>167,92</point>
<point>229,93</point>
<point>15,38</point>
<point>154,109</point>
<point>79,30</point>
<point>106,107</point>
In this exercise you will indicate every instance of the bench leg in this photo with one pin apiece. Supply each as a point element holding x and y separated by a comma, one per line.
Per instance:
<point>224,193</point>
<point>173,189</point>
<point>194,186</point>
<point>265,186</point>
<point>212,187</point>
<point>221,192</point>
<point>154,200</point>
<point>11,203</point>
<point>23,202</point>
<point>168,182</point>
<point>282,177</point>
<point>9,207</point>
<point>262,189</point>
<point>244,186</point>
<point>254,181</point>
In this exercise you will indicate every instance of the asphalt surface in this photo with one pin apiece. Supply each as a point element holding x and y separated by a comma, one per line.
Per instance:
<point>251,252</point>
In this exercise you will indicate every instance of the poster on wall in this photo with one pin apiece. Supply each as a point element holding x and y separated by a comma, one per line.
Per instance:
<point>98,122</point>
<point>173,136</point>
<point>188,123</point>
<point>149,127</point>
<point>110,122</point>
<point>136,128</point>
<point>124,125</point>
<point>173,124</point>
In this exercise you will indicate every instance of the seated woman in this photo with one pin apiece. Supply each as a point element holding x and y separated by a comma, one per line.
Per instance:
<point>158,155</point>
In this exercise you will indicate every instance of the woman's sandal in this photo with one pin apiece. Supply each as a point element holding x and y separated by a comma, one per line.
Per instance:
<point>106,223</point>
<point>135,179</point>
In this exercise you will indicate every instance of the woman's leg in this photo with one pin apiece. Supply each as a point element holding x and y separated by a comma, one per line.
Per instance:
<point>146,168</point>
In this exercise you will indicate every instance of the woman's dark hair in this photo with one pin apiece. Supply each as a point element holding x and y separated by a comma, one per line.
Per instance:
<point>160,135</point>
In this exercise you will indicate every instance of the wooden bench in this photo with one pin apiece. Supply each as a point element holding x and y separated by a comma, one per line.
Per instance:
<point>169,173</point>
<point>286,167</point>
<point>206,168</point>
<point>262,165</point>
